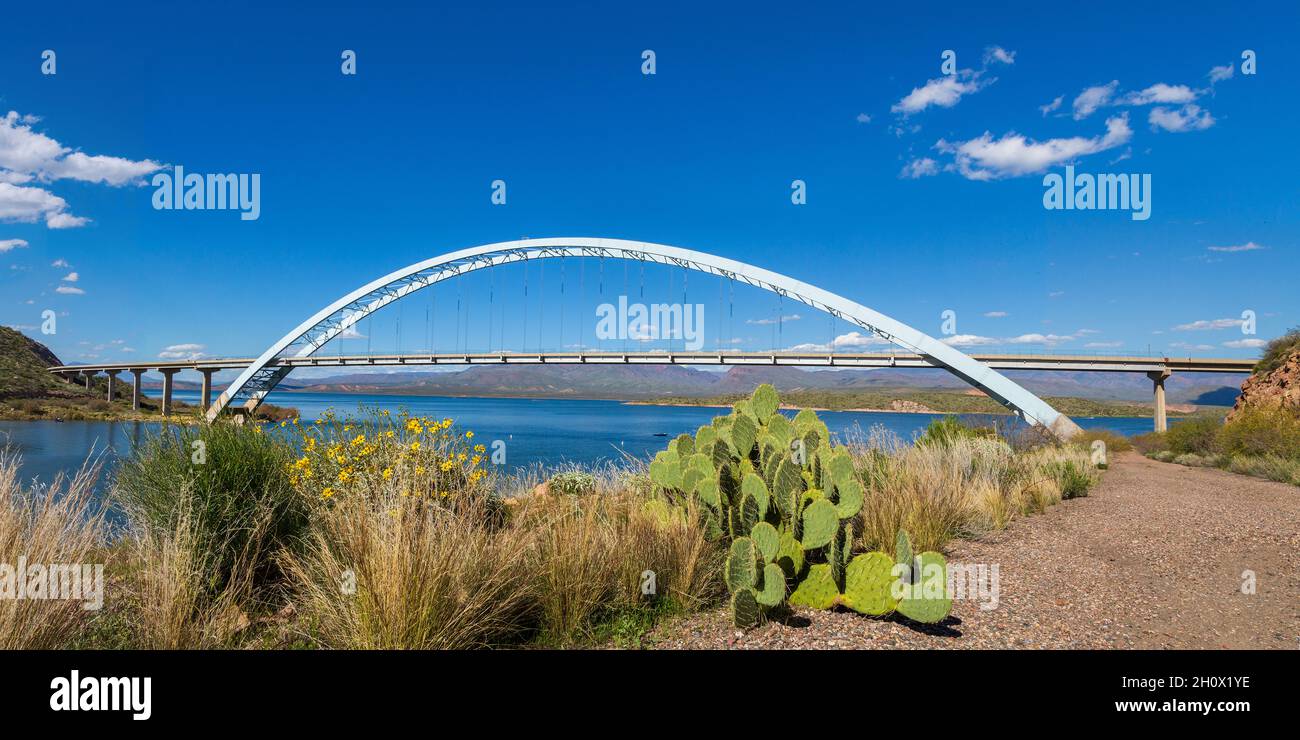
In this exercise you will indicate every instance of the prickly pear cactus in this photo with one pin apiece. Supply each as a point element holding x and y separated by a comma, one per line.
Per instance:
<point>784,500</point>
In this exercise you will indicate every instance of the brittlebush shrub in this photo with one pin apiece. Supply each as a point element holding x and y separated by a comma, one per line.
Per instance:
<point>1195,436</point>
<point>381,455</point>
<point>1262,432</point>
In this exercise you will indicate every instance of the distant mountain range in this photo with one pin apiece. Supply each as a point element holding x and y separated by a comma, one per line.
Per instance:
<point>647,382</point>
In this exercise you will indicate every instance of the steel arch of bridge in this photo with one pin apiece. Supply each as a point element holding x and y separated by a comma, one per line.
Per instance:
<point>263,375</point>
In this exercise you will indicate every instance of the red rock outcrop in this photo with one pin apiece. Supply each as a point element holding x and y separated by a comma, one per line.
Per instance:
<point>1279,387</point>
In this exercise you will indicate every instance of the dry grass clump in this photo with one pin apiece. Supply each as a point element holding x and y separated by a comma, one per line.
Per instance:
<point>49,525</point>
<point>394,572</point>
<point>959,485</point>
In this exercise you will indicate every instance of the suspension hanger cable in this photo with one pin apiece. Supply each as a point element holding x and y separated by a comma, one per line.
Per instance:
<point>563,278</point>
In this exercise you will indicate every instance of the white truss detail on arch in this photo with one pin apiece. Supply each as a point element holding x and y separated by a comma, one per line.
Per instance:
<point>264,374</point>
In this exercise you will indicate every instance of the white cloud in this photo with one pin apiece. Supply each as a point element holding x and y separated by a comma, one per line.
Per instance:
<point>1188,118</point>
<point>1160,93</point>
<point>71,277</point>
<point>1247,247</point>
<point>188,351</point>
<point>969,340</point>
<point>1048,340</point>
<point>29,205</point>
<point>60,262</point>
<point>864,118</point>
<point>1093,98</point>
<point>998,54</point>
<point>769,322</point>
<point>1052,106</point>
<point>944,92</point>
<point>1204,325</point>
<point>852,340</point>
<point>28,156</point>
<point>69,290</point>
<point>995,314</point>
<point>1103,345</point>
<point>1245,343</point>
<point>1219,74</point>
<point>8,244</point>
<point>1185,345</point>
<point>1014,155</point>
<point>919,168</point>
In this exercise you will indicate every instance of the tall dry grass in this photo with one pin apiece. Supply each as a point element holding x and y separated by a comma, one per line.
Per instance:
<point>957,486</point>
<point>54,524</point>
<point>192,586</point>
<point>600,554</point>
<point>403,572</point>
<point>399,573</point>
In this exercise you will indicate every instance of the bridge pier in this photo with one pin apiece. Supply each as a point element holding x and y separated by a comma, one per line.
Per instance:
<point>207,389</point>
<point>88,377</point>
<point>1158,381</point>
<point>167,374</point>
<point>112,383</point>
<point>135,388</point>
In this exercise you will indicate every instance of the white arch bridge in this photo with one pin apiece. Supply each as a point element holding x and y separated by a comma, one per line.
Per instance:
<point>260,375</point>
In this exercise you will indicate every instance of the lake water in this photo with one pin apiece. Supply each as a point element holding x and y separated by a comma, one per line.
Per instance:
<point>547,432</point>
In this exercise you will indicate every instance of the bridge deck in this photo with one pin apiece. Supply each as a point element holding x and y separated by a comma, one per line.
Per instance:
<point>1089,363</point>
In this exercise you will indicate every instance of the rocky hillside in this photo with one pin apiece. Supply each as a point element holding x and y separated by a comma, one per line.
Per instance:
<point>23,375</point>
<point>1276,382</point>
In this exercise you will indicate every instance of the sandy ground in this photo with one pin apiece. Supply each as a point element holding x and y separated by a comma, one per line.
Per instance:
<point>1153,558</point>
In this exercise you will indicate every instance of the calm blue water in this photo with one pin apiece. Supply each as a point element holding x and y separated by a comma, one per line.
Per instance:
<point>546,432</point>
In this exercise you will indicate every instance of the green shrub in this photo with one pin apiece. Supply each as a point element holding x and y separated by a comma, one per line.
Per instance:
<point>1273,468</point>
<point>228,486</point>
<point>1262,432</point>
<point>1278,350</point>
<point>573,483</point>
<point>1197,436</point>
<point>1150,442</point>
<point>1073,478</point>
<point>1114,442</point>
<point>948,429</point>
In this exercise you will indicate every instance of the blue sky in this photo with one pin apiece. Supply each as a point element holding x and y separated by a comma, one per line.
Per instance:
<point>924,191</point>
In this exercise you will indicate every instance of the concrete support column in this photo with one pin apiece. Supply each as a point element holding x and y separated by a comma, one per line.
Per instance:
<point>207,389</point>
<point>167,390</point>
<point>112,383</point>
<point>88,377</point>
<point>1158,380</point>
<point>135,389</point>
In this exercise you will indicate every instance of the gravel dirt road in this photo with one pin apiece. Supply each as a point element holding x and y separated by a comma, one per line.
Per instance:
<point>1153,558</point>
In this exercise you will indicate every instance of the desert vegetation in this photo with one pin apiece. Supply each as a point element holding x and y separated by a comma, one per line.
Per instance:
<point>395,531</point>
<point>1262,442</point>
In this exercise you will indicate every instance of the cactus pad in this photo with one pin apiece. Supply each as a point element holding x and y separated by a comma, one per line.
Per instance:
<point>765,401</point>
<point>850,499</point>
<point>744,433</point>
<point>742,565</point>
<point>745,611</point>
<point>773,590</point>
<point>927,599</point>
<point>817,589</point>
<point>754,487</point>
<point>767,540</point>
<point>868,582</point>
<point>903,554</point>
<point>819,524</point>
